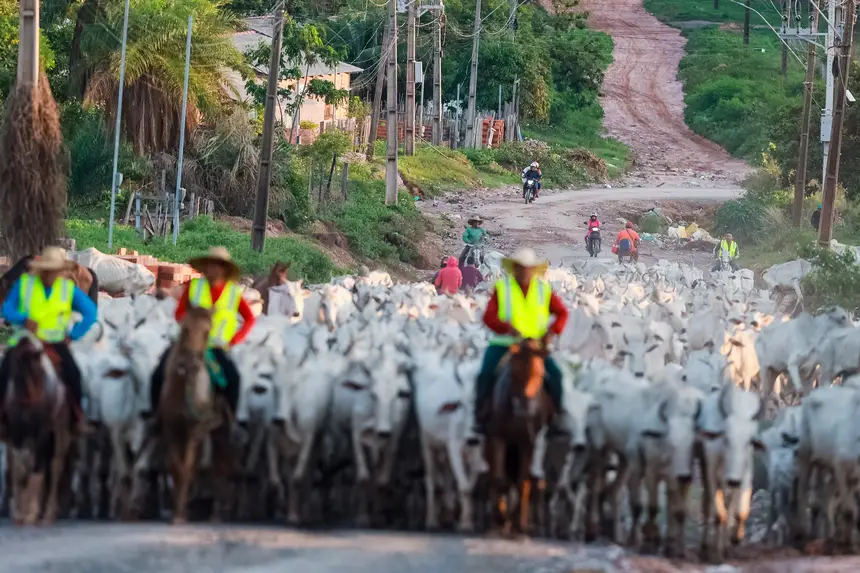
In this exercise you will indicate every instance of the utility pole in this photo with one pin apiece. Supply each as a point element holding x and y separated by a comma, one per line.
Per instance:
<point>409,144</point>
<point>473,80</point>
<point>437,80</point>
<point>264,175</point>
<point>841,71</point>
<point>833,22</point>
<point>391,120</point>
<point>747,24</point>
<point>28,43</point>
<point>800,176</point>
<point>115,178</point>
<point>376,108</point>
<point>512,20</point>
<point>177,199</point>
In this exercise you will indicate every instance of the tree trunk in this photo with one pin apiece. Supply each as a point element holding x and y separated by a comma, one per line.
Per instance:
<point>78,74</point>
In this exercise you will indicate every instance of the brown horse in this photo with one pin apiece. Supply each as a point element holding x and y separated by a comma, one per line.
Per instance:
<point>277,276</point>
<point>38,430</point>
<point>519,409</point>
<point>190,411</point>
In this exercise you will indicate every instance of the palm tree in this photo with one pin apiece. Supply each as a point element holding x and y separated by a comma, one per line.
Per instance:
<point>155,63</point>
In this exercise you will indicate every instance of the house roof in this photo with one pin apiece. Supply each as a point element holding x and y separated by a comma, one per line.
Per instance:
<point>260,31</point>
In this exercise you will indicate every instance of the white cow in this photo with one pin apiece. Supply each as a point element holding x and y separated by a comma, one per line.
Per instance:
<point>790,347</point>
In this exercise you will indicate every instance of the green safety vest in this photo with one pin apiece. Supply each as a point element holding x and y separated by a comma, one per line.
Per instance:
<point>225,311</point>
<point>52,314</point>
<point>732,249</point>
<point>529,313</point>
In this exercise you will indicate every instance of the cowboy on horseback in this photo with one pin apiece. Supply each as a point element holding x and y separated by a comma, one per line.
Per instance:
<point>219,292</point>
<point>520,307</point>
<point>42,302</point>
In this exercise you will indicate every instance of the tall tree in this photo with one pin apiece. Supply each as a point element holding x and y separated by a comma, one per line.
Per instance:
<point>155,66</point>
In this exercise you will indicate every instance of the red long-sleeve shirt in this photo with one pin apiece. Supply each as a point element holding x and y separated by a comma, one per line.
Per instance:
<point>216,290</point>
<point>556,308</point>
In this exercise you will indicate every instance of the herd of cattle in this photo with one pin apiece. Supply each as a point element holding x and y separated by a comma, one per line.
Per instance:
<point>358,396</point>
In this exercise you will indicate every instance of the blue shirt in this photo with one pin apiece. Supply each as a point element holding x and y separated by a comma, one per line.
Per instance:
<point>81,303</point>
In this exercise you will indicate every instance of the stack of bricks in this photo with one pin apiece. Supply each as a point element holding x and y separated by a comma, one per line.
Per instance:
<point>167,275</point>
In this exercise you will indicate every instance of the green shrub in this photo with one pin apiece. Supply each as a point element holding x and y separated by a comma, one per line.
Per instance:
<point>652,223</point>
<point>377,231</point>
<point>744,218</point>
<point>479,157</point>
<point>834,280</point>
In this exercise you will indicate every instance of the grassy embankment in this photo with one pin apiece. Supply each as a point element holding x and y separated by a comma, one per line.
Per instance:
<point>737,96</point>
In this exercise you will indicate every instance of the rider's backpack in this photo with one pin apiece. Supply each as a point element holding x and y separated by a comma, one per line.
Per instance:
<point>625,246</point>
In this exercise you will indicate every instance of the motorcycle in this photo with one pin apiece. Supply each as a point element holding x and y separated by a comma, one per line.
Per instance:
<point>530,191</point>
<point>476,252</point>
<point>725,262</point>
<point>592,243</point>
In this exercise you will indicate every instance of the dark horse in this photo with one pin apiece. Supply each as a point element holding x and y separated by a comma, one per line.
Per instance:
<point>190,411</point>
<point>84,278</point>
<point>38,428</point>
<point>519,409</point>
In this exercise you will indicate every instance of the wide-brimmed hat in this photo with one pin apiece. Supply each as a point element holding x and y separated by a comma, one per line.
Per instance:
<point>51,259</point>
<point>525,257</point>
<point>218,255</point>
<point>476,218</point>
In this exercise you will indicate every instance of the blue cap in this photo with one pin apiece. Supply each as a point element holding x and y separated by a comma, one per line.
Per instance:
<point>819,205</point>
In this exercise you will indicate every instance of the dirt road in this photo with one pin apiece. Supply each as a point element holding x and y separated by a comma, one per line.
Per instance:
<point>643,100</point>
<point>156,548</point>
<point>554,225</point>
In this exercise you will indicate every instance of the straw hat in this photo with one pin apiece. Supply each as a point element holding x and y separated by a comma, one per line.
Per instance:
<point>52,259</point>
<point>476,218</point>
<point>525,257</point>
<point>218,255</point>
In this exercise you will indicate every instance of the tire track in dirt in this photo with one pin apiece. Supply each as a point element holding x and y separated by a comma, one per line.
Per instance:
<point>643,100</point>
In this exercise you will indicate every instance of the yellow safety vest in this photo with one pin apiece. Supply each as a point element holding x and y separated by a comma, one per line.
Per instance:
<point>732,249</point>
<point>52,314</point>
<point>528,314</point>
<point>225,315</point>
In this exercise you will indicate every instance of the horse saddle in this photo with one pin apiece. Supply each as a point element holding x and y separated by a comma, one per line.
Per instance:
<point>213,367</point>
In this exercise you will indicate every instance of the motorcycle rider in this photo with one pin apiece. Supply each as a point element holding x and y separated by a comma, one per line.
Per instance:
<point>727,245</point>
<point>815,220</point>
<point>532,172</point>
<point>474,237</point>
<point>593,222</point>
<point>627,242</point>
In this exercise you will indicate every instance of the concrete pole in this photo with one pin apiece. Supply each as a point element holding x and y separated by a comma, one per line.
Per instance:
<point>28,43</point>
<point>437,80</point>
<point>115,178</point>
<point>825,230</point>
<point>376,108</point>
<point>391,119</point>
<point>473,81</point>
<point>827,117</point>
<point>264,175</point>
<point>409,144</point>
<point>177,197</point>
<point>800,178</point>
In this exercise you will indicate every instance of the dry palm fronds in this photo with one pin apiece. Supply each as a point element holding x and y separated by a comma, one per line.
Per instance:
<point>33,166</point>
